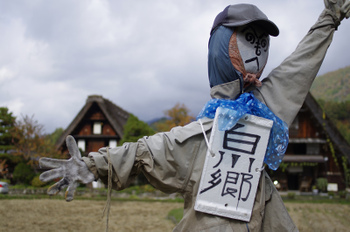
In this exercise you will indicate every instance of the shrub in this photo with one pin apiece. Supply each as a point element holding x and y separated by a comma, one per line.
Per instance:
<point>342,194</point>
<point>36,182</point>
<point>23,174</point>
<point>331,194</point>
<point>321,184</point>
<point>291,195</point>
<point>5,180</point>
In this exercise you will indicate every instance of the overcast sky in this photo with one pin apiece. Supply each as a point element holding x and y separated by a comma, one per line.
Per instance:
<point>143,55</point>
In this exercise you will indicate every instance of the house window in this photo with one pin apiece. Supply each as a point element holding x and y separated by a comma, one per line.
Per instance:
<point>81,144</point>
<point>112,143</point>
<point>97,129</point>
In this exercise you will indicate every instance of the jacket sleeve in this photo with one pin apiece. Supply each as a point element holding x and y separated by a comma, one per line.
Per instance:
<point>166,159</point>
<point>285,88</point>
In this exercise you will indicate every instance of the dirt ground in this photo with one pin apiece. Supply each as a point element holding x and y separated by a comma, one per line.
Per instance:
<point>58,215</point>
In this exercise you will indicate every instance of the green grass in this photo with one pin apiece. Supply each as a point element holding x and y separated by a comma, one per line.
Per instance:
<point>95,198</point>
<point>175,215</point>
<point>315,199</point>
<point>132,193</point>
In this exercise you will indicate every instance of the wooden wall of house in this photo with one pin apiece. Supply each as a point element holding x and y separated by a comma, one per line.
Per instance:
<point>85,130</point>
<point>108,130</point>
<point>94,145</point>
<point>305,126</point>
<point>97,115</point>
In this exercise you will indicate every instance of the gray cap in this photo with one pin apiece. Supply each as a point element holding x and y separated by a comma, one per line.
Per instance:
<point>243,14</point>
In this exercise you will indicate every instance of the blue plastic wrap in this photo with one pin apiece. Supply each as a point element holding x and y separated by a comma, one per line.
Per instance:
<point>247,103</point>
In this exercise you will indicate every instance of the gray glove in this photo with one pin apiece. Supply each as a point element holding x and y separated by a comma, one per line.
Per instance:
<point>73,171</point>
<point>340,8</point>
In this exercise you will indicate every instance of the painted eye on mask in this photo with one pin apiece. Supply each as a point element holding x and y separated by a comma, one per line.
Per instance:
<point>259,44</point>
<point>249,49</point>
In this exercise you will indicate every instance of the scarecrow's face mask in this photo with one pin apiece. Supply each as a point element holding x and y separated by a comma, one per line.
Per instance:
<point>248,50</point>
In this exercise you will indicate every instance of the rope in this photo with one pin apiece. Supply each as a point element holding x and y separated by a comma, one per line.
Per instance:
<point>206,139</point>
<point>252,79</point>
<point>107,208</point>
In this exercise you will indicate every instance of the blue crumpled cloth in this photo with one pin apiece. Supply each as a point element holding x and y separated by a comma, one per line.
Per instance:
<point>247,103</point>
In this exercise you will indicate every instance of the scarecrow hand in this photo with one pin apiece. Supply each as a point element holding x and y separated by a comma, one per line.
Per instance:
<point>72,171</point>
<point>340,8</point>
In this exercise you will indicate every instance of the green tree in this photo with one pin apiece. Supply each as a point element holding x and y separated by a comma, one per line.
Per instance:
<point>135,129</point>
<point>30,142</point>
<point>339,113</point>
<point>7,123</point>
<point>54,136</point>
<point>23,174</point>
<point>177,116</point>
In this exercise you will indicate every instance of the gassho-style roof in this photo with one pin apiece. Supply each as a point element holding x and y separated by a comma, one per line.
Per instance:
<point>116,116</point>
<point>338,141</point>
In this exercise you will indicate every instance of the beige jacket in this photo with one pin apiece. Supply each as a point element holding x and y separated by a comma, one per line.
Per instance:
<point>173,161</point>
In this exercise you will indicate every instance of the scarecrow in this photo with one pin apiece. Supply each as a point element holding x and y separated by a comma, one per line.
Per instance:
<point>217,162</point>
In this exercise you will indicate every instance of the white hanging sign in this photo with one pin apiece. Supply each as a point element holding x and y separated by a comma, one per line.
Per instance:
<point>232,170</point>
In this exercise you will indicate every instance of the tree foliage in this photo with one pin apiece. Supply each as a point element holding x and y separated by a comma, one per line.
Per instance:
<point>135,129</point>
<point>30,142</point>
<point>332,91</point>
<point>333,86</point>
<point>23,173</point>
<point>339,113</point>
<point>54,136</point>
<point>22,141</point>
<point>177,116</point>
<point>3,168</point>
<point>336,110</point>
<point>7,123</point>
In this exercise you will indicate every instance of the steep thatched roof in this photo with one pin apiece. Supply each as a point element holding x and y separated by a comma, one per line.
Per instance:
<point>338,141</point>
<point>116,116</point>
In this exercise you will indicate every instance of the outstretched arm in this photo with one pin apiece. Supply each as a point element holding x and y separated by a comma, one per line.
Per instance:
<point>72,171</point>
<point>286,87</point>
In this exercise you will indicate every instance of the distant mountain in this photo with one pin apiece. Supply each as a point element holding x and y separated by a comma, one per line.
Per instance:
<point>155,120</point>
<point>333,86</point>
<point>152,123</point>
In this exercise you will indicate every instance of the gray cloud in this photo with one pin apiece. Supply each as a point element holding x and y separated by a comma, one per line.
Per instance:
<point>145,56</point>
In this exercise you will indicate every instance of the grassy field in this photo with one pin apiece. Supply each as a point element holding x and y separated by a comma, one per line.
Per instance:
<point>83,215</point>
<point>311,217</point>
<point>86,215</point>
